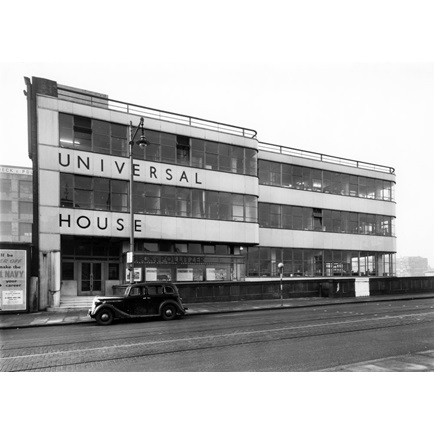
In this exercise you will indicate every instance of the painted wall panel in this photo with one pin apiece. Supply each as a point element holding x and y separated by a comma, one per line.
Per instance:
<point>324,240</point>
<point>48,188</point>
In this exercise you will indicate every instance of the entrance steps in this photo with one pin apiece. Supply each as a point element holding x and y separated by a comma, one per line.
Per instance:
<point>73,303</point>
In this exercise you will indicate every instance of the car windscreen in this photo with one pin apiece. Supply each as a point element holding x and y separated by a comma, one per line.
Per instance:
<point>119,290</point>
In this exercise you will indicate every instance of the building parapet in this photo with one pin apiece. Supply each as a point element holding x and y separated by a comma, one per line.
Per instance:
<point>284,150</point>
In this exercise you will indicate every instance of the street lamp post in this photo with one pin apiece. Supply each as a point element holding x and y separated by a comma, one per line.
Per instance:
<point>280,267</point>
<point>142,142</point>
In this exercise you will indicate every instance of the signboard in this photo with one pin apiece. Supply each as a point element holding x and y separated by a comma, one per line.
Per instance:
<point>184,274</point>
<point>13,280</point>
<point>137,275</point>
<point>150,274</point>
<point>210,274</point>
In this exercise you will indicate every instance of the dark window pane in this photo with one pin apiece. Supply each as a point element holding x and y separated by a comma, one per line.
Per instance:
<point>66,135</point>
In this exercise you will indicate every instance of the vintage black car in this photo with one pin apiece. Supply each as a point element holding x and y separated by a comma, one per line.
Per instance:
<point>158,299</point>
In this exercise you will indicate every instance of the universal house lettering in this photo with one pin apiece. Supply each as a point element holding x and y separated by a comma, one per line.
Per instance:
<point>143,171</point>
<point>84,163</point>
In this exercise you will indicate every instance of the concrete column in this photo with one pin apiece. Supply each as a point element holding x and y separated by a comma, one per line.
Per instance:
<point>55,278</point>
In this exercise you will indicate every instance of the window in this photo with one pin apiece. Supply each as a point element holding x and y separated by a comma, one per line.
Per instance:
<point>152,199</point>
<point>183,202</point>
<point>119,142</point>
<point>264,214</point>
<point>5,186</point>
<point>198,153</point>
<point>102,193</point>
<point>198,203</point>
<point>194,248</point>
<point>209,249</point>
<point>25,229</point>
<point>275,174</point>
<point>306,178</point>
<point>83,192</point>
<point>67,270</point>
<point>237,207</point>
<point>251,208</point>
<point>6,228</point>
<point>139,197</point>
<point>225,206</point>
<point>181,248</point>
<point>183,150</point>
<point>212,204</point>
<point>25,189</point>
<point>286,175</point>
<point>168,200</point>
<point>286,217</point>
<point>86,192</point>
<point>5,206</point>
<point>274,216</point>
<point>92,135</point>
<point>168,148</point>
<point>82,133</point>
<point>237,160</point>
<point>25,210</point>
<point>251,159</point>
<point>119,195</point>
<point>211,155</point>
<point>101,137</point>
<point>113,271</point>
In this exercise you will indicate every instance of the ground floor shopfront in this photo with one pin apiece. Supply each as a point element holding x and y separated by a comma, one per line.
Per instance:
<point>92,265</point>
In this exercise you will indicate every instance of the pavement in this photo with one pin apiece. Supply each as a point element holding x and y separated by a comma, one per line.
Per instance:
<point>72,316</point>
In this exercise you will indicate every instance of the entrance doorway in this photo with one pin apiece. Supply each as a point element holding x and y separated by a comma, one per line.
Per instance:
<point>90,282</point>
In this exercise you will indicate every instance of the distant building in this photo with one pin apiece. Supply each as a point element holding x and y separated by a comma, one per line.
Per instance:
<point>412,266</point>
<point>16,204</point>
<point>209,200</point>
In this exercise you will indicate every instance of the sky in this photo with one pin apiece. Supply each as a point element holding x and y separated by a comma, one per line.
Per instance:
<point>350,81</point>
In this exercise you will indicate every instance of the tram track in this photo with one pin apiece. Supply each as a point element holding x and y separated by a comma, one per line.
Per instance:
<point>126,330</point>
<point>139,350</point>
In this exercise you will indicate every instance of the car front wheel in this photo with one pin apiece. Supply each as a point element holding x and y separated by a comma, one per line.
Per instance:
<point>104,317</point>
<point>168,312</point>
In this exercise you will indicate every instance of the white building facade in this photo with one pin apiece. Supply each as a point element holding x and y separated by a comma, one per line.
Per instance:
<point>210,202</point>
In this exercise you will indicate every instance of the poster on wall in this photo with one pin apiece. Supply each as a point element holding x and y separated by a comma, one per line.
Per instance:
<point>137,275</point>
<point>150,274</point>
<point>210,274</point>
<point>184,274</point>
<point>13,280</point>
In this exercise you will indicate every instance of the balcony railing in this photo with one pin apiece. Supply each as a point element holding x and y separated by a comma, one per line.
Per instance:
<point>269,147</point>
<point>111,104</point>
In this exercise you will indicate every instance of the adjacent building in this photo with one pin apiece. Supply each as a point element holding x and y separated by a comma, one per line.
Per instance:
<point>16,204</point>
<point>209,200</point>
<point>408,266</point>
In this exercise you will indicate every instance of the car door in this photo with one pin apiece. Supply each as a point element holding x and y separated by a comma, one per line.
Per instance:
<point>136,303</point>
<point>156,296</point>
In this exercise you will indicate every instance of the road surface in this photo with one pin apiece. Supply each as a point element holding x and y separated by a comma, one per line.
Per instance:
<point>286,340</point>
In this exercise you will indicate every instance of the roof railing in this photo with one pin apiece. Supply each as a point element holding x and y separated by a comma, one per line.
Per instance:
<point>95,100</point>
<point>148,112</point>
<point>269,147</point>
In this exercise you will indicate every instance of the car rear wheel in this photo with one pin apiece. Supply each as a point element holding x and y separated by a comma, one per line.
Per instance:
<point>168,312</point>
<point>104,317</point>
